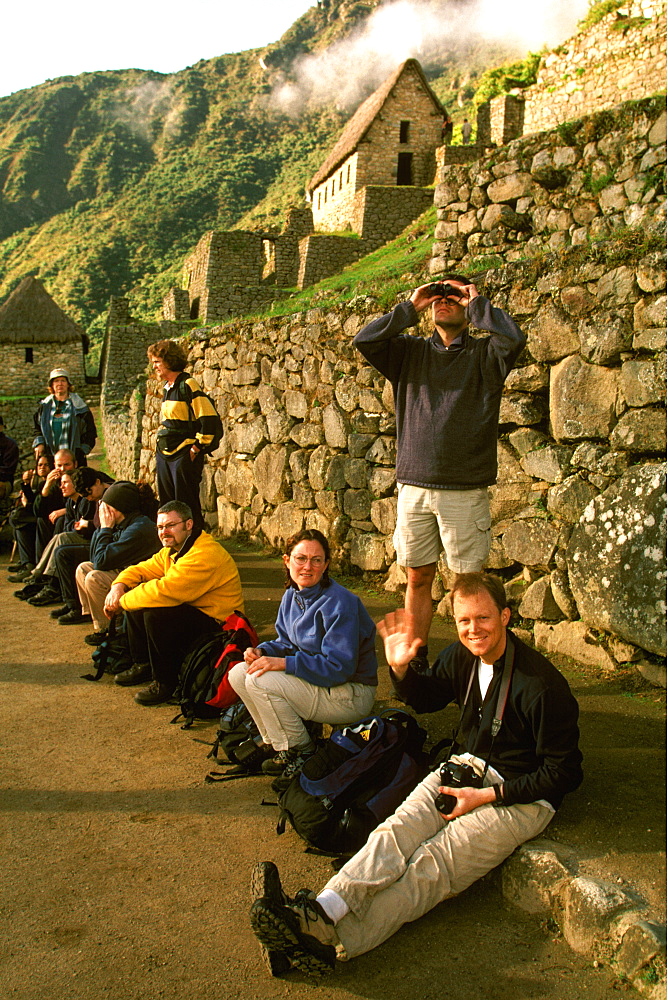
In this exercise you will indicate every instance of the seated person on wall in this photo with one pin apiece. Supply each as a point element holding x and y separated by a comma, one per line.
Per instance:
<point>63,420</point>
<point>9,459</point>
<point>190,428</point>
<point>184,591</point>
<point>23,519</point>
<point>322,665</point>
<point>127,534</point>
<point>503,789</point>
<point>91,484</point>
<point>44,574</point>
<point>49,506</point>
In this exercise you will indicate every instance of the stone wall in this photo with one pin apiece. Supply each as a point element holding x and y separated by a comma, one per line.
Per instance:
<point>554,190</point>
<point>310,441</point>
<point>18,417</point>
<point>382,213</point>
<point>324,254</point>
<point>22,377</point>
<point>333,200</point>
<point>621,58</point>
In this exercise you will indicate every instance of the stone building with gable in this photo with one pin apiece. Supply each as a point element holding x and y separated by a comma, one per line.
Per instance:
<point>35,337</point>
<point>391,140</point>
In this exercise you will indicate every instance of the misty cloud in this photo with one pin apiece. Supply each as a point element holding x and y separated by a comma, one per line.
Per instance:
<point>350,70</point>
<point>143,104</point>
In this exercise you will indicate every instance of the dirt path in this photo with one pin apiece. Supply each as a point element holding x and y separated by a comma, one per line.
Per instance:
<point>125,876</point>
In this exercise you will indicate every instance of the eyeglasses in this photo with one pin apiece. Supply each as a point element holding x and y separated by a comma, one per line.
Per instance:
<point>303,560</point>
<point>169,524</point>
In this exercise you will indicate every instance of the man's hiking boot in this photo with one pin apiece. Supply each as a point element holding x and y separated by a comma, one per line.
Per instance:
<point>155,694</point>
<point>74,617</point>
<point>301,931</point>
<point>22,574</point>
<point>138,673</point>
<point>29,590</point>
<point>266,884</point>
<point>95,638</point>
<point>46,596</point>
<point>288,762</point>
<point>59,612</point>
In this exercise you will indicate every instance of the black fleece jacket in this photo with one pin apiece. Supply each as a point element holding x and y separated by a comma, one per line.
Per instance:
<point>536,750</point>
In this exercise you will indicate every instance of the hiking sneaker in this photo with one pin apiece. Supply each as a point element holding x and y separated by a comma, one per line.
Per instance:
<point>302,931</point>
<point>155,694</point>
<point>95,638</point>
<point>29,590</point>
<point>288,762</point>
<point>46,596</point>
<point>21,575</point>
<point>74,617</point>
<point>266,884</point>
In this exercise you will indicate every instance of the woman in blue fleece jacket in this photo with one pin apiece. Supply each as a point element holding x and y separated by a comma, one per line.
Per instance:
<point>321,667</point>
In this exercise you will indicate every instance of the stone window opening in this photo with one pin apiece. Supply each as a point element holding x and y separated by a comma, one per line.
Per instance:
<point>405,169</point>
<point>404,129</point>
<point>340,180</point>
<point>348,177</point>
<point>318,199</point>
<point>194,308</point>
<point>29,359</point>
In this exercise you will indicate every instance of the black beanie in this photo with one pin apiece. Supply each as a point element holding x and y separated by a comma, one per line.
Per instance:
<point>124,496</point>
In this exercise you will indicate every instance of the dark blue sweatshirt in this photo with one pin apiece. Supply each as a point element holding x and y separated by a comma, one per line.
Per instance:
<point>446,399</point>
<point>127,543</point>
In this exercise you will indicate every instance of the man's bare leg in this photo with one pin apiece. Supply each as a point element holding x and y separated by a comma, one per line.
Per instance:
<point>418,599</point>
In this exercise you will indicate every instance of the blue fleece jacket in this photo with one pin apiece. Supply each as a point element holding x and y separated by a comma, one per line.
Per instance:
<point>326,637</point>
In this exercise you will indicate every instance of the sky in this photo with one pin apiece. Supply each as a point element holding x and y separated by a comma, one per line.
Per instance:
<point>68,37</point>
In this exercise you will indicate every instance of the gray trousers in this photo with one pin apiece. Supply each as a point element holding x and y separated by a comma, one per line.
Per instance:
<point>416,859</point>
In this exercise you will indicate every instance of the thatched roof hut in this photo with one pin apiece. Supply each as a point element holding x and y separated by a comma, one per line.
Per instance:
<point>30,316</point>
<point>360,123</point>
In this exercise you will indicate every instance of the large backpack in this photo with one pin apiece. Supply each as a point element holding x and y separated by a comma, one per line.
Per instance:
<point>239,739</point>
<point>203,688</point>
<point>113,655</point>
<point>354,781</point>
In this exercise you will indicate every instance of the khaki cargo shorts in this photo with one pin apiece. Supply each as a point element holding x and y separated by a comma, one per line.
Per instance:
<point>457,521</point>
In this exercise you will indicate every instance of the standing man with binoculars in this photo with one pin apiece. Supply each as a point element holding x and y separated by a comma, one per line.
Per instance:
<point>447,394</point>
<point>513,757</point>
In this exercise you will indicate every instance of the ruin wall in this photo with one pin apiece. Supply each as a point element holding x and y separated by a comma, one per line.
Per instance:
<point>19,377</point>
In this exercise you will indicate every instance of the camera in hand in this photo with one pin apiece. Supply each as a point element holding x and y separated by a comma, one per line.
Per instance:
<point>455,776</point>
<point>438,288</point>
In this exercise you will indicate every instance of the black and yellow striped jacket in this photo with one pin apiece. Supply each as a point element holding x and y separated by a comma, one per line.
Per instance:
<point>187,417</point>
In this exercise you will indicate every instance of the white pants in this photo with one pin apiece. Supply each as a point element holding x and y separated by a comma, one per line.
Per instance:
<point>416,859</point>
<point>278,702</point>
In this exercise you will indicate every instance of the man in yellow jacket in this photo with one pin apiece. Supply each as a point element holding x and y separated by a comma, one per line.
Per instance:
<point>185,590</point>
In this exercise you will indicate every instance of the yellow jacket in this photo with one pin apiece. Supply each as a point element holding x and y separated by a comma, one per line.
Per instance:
<point>205,576</point>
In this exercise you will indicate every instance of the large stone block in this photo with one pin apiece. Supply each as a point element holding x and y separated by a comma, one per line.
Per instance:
<point>507,500</point>
<point>583,400</point>
<point>228,518</point>
<point>538,601</point>
<point>384,515</point>
<point>317,467</point>
<point>552,335</point>
<point>347,393</point>
<point>239,481</point>
<point>357,504</point>
<point>510,188</point>
<point>531,542</point>
<point>296,404</point>
<point>279,425</point>
<point>287,519</point>
<point>305,435</point>
<point>356,472</point>
<point>531,875</point>
<point>576,640</point>
<point>641,431</point>
<point>590,908</point>
<point>503,216</point>
<point>616,559</point>
<point>329,502</point>
<point>383,451</point>
<point>359,444</point>
<point>381,481</point>
<point>368,552</point>
<point>270,473</point>
<point>550,463</point>
<point>522,409</point>
<point>569,499</point>
<point>336,426</point>
<point>604,336</point>
<point>531,378</point>
<point>248,438</point>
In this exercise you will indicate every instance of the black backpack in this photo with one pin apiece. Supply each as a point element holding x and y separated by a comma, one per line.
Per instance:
<point>203,688</point>
<point>239,739</point>
<point>113,655</point>
<point>354,781</point>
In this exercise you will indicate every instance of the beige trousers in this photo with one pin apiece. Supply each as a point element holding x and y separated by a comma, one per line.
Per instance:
<point>416,859</point>
<point>93,586</point>
<point>278,702</point>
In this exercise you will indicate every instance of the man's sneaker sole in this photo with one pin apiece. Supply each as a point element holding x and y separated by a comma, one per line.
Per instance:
<point>278,930</point>
<point>266,884</point>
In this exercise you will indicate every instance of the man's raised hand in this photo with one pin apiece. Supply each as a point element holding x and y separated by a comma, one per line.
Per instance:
<point>397,631</point>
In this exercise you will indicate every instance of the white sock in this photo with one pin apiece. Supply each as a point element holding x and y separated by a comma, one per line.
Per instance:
<point>334,906</point>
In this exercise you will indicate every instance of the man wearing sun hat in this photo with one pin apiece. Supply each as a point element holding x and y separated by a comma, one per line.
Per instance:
<point>63,420</point>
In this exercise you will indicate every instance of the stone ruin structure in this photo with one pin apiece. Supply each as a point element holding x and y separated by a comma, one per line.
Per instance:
<point>36,336</point>
<point>579,509</point>
<point>369,185</point>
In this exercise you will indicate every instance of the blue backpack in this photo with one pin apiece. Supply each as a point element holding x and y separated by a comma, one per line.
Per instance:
<point>354,781</point>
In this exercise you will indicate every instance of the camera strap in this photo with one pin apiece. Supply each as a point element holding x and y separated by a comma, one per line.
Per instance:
<point>501,700</point>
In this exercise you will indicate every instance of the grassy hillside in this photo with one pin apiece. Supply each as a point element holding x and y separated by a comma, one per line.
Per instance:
<point>108,179</point>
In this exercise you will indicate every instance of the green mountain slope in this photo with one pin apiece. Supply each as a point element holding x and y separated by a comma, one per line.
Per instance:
<point>108,179</point>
